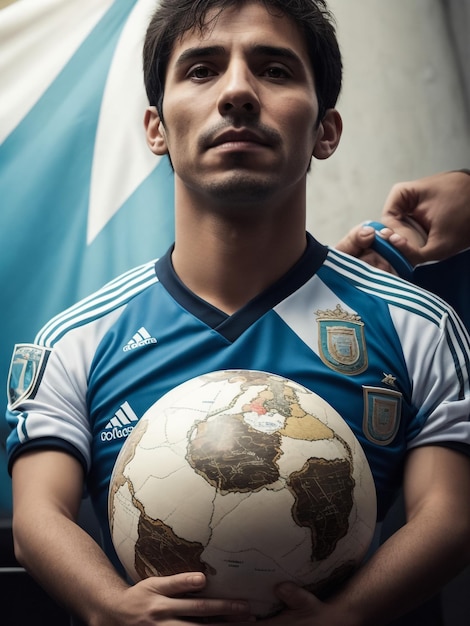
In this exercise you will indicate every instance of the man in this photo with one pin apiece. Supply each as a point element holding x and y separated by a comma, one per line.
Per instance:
<point>242,95</point>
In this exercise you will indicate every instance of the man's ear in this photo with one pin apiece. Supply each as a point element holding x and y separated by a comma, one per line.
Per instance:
<point>155,132</point>
<point>329,134</point>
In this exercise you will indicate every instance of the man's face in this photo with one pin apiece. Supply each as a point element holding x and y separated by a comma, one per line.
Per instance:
<point>240,107</point>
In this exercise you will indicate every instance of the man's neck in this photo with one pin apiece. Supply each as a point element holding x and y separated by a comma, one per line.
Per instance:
<point>228,262</point>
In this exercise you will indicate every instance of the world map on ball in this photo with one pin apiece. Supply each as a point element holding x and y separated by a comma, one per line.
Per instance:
<point>248,477</point>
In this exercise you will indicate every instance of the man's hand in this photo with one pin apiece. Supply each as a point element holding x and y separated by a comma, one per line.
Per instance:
<point>167,600</point>
<point>413,564</point>
<point>304,609</point>
<point>47,488</point>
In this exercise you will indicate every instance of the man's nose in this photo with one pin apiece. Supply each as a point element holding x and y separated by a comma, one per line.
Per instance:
<point>238,91</point>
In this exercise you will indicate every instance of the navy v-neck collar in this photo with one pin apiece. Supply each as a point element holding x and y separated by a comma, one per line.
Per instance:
<point>232,326</point>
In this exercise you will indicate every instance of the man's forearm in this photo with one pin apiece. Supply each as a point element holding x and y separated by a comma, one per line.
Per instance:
<point>68,563</point>
<point>405,571</point>
<point>429,550</point>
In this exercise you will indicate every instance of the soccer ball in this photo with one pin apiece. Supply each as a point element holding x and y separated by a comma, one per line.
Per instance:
<point>248,477</point>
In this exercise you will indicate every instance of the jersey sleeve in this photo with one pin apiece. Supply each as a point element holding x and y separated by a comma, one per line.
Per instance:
<point>47,401</point>
<point>438,357</point>
<point>48,384</point>
<point>47,393</point>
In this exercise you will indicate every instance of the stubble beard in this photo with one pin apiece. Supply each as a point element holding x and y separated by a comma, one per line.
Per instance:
<point>242,189</point>
<point>241,185</point>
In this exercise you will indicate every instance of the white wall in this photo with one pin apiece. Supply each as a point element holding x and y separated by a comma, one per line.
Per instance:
<point>402,106</point>
<point>458,14</point>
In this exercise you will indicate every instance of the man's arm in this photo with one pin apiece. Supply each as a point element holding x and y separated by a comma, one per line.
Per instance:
<point>414,563</point>
<point>67,562</point>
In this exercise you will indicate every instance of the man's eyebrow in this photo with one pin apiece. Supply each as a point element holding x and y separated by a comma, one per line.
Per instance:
<point>276,52</point>
<point>201,52</point>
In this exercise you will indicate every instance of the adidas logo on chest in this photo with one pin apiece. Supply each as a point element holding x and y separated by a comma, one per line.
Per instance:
<point>140,339</point>
<point>121,424</point>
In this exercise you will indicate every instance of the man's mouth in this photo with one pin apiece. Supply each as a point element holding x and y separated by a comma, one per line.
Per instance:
<point>233,138</point>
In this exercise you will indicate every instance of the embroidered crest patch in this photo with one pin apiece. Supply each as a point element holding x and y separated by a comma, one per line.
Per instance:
<point>382,412</point>
<point>26,370</point>
<point>341,341</point>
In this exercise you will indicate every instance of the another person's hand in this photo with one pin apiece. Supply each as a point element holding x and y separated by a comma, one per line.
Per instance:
<point>440,205</point>
<point>427,220</point>
<point>358,242</point>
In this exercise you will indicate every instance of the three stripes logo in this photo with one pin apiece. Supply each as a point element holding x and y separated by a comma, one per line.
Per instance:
<point>121,424</point>
<point>141,338</point>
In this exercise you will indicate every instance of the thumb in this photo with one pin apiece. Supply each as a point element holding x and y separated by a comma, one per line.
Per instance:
<point>298,599</point>
<point>188,582</point>
<point>358,239</point>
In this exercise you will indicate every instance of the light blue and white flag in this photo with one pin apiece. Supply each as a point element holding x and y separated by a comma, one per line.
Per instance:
<point>82,198</point>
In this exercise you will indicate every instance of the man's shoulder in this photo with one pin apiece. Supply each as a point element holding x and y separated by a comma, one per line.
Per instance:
<point>396,292</point>
<point>103,302</point>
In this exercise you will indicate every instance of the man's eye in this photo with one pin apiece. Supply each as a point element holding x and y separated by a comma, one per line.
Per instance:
<point>276,72</point>
<point>200,72</point>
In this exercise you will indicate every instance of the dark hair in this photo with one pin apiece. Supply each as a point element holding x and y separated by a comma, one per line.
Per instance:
<point>173,18</point>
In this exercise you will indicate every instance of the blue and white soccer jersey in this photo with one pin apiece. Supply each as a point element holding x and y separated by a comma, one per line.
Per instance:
<point>392,359</point>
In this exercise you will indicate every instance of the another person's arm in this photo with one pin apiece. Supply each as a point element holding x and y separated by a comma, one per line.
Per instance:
<point>439,204</point>
<point>47,490</point>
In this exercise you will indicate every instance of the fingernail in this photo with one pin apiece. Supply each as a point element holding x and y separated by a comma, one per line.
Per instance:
<point>196,580</point>
<point>240,607</point>
<point>286,589</point>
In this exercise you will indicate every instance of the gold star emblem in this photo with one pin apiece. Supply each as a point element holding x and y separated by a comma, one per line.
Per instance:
<point>389,379</point>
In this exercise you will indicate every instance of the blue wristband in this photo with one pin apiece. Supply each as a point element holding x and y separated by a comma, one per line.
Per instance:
<point>399,263</point>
